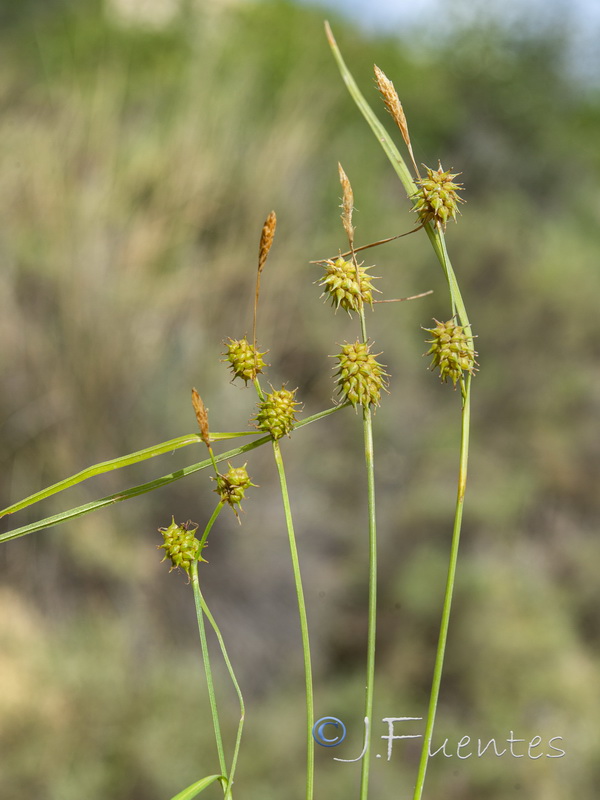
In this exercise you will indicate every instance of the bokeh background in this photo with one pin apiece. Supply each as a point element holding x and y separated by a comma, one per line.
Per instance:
<point>142,144</point>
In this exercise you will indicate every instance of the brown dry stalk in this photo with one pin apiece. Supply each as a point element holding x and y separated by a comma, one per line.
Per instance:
<point>402,299</point>
<point>367,246</point>
<point>266,240</point>
<point>347,205</point>
<point>201,416</point>
<point>394,106</point>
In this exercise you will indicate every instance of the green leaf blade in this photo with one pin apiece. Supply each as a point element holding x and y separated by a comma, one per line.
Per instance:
<point>199,786</point>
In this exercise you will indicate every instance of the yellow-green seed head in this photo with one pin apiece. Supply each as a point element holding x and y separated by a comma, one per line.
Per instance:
<point>180,545</point>
<point>341,284</point>
<point>245,362</point>
<point>231,486</point>
<point>360,378</point>
<point>276,413</point>
<point>452,350</point>
<point>436,199</point>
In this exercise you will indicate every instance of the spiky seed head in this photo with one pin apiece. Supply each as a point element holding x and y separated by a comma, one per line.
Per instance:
<point>276,413</point>
<point>437,200</point>
<point>341,284</point>
<point>452,350</point>
<point>360,378</point>
<point>231,487</point>
<point>245,362</point>
<point>180,545</point>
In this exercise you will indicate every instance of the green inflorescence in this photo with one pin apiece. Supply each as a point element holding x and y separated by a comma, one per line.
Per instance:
<point>245,362</point>
<point>437,199</point>
<point>452,350</point>
<point>276,413</point>
<point>360,378</point>
<point>180,545</point>
<point>345,290</point>
<point>231,487</point>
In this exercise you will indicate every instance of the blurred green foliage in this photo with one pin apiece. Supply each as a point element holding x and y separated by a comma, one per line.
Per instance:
<point>136,168</point>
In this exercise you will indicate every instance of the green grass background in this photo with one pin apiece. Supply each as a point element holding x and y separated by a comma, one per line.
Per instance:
<point>136,169</point>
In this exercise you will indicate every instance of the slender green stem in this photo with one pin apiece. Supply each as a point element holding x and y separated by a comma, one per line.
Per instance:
<point>310,756</point>
<point>238,691</point>
<point>209,525</point>
<point>443,636</point>
<point>372,601</point>
<point>135,491</point>
<point>207,667</point>
<point>259,391</point>
<point>372,623</point>
<point>202,608</point>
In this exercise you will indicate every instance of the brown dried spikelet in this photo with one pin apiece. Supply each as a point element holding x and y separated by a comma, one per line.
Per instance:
<point>392,102</point>
<point>347,204</point>
<point>201,415</point>
<point>266,239</point>
<point>394,106</point>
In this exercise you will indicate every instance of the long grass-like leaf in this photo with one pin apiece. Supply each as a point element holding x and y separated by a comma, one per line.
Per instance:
<point>127,494</point>
<point>308,677</point>
<point>195,788</point>
<point>380,132</point>
<point>118,463</point>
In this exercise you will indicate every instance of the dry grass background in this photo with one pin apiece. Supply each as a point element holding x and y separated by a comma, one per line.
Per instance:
<point>136,169</point>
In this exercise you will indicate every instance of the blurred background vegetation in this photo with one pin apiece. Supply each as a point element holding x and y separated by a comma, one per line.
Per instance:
<point>137,164</point>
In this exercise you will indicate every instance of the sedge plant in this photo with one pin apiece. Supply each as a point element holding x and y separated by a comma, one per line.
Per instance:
<point>360,379</point>
<point>435,201</point>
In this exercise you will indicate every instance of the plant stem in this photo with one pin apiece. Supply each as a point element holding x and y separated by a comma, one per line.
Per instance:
<point>372,622</point>
<point>437,240</point>
<point>372,602</point>
<point>443,635</point>
<point>229,666</point>
<point>209,525</point>
<point>310,756</point>
<point>207,669</point>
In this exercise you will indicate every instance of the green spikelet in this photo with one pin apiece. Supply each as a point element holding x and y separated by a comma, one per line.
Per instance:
<point>437,199</point>
<point>180,545</point>
<point>231,487</point>
<point>452,351</point>
<point>345,291</point>
<point>276,413</point>
<point>360,378</point>
<point>245,362</point>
